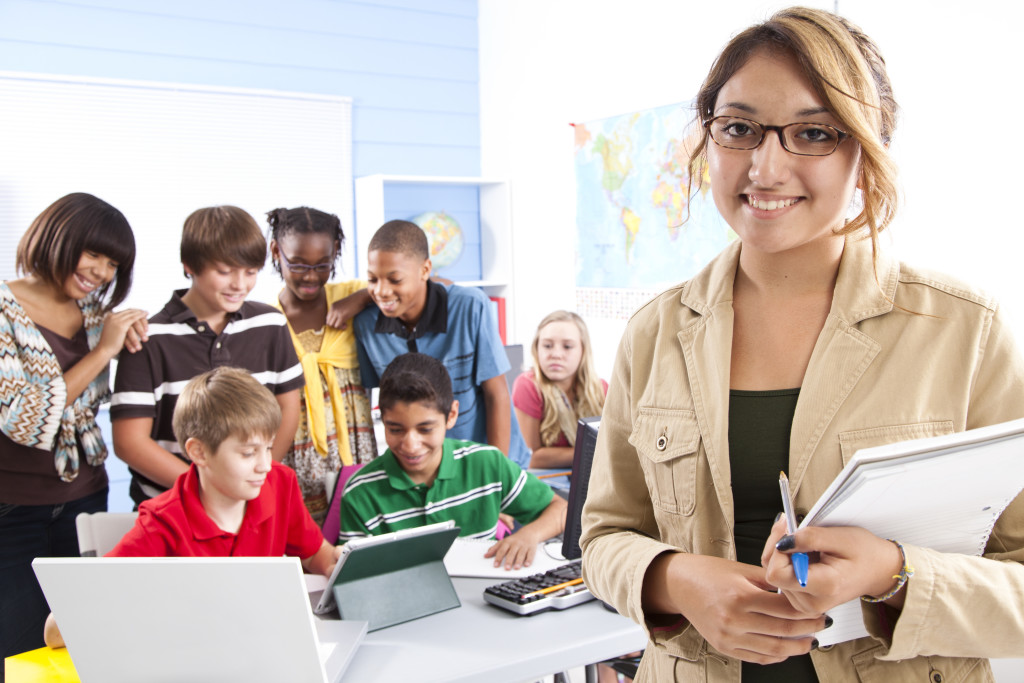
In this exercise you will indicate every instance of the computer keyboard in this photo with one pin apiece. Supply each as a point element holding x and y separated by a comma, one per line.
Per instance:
<point>515,595</point>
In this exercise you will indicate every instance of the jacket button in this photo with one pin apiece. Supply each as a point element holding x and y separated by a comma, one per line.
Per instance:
<point>662,443</point>
<point>825,648</point>
<point>936,677</point>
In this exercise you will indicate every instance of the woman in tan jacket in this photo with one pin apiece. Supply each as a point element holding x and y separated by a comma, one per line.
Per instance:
<point>798,345</point>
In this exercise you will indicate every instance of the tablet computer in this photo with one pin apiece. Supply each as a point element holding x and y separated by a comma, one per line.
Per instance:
<point>437,537</point>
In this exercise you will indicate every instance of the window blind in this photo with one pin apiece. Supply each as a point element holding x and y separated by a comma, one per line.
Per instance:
<point>158,151</point>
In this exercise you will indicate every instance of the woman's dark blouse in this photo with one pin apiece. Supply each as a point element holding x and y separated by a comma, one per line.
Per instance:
<point>28,475</point>
<point>759,430</point>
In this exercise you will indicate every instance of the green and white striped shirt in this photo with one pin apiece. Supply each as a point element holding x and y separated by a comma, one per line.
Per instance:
<point>474,483</point>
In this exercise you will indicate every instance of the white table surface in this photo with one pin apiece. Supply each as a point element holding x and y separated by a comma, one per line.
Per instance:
<point>479,642</point>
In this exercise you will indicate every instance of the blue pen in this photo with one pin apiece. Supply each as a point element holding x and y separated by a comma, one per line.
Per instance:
<point>799,560</point>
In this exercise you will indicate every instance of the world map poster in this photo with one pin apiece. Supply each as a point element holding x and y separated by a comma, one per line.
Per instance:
<point>637,226</point>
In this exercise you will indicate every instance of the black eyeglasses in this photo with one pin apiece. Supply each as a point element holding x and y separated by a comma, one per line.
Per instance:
<point>300,269</point>
<point>804,139</point>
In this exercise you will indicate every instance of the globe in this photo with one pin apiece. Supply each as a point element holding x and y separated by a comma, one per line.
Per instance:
<point>444,236</point>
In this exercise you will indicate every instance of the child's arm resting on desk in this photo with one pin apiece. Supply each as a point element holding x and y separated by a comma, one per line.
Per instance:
<point>543,457</point>
<point>51,634</point>
<point>529,408</point>
<point>323,560</point>
<point>517,550</point>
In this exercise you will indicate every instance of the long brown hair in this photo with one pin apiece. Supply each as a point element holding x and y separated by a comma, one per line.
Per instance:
<point>847,71</point>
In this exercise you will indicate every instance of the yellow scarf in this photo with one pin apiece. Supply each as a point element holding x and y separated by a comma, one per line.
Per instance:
<point>338,350</point>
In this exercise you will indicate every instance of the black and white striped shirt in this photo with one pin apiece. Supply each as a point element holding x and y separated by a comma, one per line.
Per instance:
<point>180,347</point>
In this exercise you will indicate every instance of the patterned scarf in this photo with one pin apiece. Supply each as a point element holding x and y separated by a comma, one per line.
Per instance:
<point>33,396</point>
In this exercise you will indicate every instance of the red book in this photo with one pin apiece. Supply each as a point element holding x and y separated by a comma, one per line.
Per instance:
<point>499,311</point>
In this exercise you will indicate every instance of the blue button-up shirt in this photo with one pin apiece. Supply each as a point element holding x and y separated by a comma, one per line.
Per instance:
<point>457,329</point>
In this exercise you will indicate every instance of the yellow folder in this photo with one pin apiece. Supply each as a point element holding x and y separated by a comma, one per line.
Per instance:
<point>41,666</point>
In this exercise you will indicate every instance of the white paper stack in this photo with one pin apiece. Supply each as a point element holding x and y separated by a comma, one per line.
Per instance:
<point>943,493</point>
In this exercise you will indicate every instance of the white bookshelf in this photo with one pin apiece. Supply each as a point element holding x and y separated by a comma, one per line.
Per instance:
<point>495,228</point>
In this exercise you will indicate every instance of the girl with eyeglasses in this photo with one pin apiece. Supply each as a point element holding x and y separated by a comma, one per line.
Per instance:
<point>802,342</point>
<point>335,424</point>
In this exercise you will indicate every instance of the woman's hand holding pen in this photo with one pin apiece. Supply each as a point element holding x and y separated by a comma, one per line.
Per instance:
<point>846,563</point>
<point>731,605</point>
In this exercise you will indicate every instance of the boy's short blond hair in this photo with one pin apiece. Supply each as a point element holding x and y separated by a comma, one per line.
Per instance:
<point>226,234</point>
<point>222,403</point>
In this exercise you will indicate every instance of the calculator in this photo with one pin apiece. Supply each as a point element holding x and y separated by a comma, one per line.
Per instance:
<point>514,595</point>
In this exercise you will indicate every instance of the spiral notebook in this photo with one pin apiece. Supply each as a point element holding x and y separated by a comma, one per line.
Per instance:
<point>943,493</point>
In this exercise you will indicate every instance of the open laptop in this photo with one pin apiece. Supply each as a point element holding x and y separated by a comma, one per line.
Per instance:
<point>175,619</point>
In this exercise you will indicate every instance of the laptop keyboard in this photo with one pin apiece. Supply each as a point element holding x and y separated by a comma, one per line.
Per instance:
<point>515,595</point>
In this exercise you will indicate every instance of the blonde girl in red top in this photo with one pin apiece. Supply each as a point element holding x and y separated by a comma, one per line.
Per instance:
<point>562,387</point>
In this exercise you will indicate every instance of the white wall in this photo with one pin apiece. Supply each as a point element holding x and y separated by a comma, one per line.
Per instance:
<point>546,63</point>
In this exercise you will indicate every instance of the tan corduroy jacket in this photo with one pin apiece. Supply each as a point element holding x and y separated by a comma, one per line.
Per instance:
<point>877,375</point>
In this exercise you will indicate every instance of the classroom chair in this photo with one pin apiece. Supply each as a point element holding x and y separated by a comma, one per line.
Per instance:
<point>332,524</point>
<point>99,532</point>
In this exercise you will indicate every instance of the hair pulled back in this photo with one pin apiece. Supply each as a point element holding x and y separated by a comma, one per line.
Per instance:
<point>304,220</point>
<point>846,70</point>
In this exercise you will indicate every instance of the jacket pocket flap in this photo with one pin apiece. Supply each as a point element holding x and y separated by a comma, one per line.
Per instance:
<point>661,434</point>
<point>853,441</point>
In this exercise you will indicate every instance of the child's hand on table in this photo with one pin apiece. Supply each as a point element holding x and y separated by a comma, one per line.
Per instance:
<point>514,551</point>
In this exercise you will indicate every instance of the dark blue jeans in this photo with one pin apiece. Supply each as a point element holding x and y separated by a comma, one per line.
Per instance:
<point>28,532</point>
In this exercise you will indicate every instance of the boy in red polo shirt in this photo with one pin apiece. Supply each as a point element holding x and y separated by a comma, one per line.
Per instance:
<point>234,500</point>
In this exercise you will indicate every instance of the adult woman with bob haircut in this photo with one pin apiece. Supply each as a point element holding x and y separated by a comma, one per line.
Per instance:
<point>802,342</point>
<point>58,335</point>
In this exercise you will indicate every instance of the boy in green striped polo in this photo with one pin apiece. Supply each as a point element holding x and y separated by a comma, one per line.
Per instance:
<point>425,478</point>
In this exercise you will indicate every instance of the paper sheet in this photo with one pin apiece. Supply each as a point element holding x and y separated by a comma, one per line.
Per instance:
<point>466,558</point>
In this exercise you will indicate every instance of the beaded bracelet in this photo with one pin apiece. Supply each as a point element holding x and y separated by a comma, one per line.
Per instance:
<point>901,579</point>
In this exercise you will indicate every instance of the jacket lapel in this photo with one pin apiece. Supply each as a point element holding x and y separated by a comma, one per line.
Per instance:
<point>706,344</point>
<point>842,353</point>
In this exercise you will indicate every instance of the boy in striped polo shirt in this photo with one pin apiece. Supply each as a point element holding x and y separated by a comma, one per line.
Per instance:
<point>424,478</point>
<point>207,326</point>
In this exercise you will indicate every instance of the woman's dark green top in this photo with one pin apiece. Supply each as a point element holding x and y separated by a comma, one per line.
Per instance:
<point>759,429</point>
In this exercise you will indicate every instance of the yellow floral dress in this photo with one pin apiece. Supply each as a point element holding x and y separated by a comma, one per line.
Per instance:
<point>319,448</point>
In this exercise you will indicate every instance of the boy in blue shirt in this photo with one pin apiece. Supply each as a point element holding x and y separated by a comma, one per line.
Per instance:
<point>453,324</point>
<point>424,478</point>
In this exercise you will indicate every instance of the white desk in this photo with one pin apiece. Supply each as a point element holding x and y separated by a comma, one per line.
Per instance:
<point>480,642</point>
